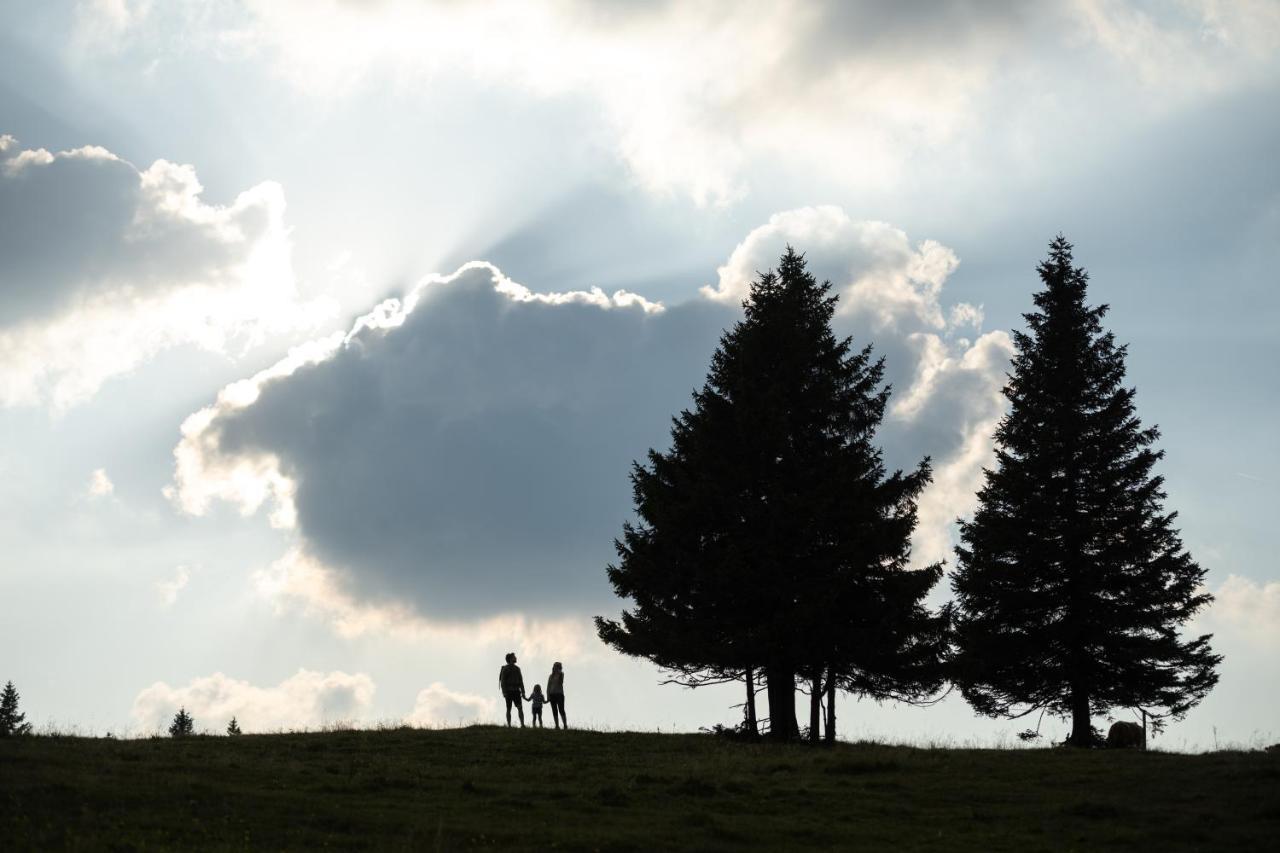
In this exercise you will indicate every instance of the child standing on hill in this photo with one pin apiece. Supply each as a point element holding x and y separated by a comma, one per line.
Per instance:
<point>537,701</point>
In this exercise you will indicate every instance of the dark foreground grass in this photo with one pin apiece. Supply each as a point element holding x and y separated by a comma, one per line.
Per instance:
<point>493,787</point>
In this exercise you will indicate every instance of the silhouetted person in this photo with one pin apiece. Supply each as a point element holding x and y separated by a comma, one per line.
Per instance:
<point>511,683</point>
<point>555,694</point>
<point>536,701</point>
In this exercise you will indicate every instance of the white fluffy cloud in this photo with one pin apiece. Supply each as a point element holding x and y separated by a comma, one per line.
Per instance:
<point>947,399</point>
<point>304,700</point>
<point>1248,610</point>
<point>437,705</point>
<point>104,265</point>
<point>880,275</point>
<point>460,456</point>
<point>693,93</point>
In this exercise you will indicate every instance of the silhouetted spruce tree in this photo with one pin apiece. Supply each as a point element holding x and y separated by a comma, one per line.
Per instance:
<point>1071,581</point>
<point>182,725</point>
<point>12,722</point>
<point>769,535</point>
<point>233,728</point>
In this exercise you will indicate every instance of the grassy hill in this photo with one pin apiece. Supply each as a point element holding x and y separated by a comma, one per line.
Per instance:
<point>493,787</point>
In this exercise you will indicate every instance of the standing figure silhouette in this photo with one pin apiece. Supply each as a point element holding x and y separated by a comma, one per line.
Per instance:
<point>555,694</point>
<point>511,683</point>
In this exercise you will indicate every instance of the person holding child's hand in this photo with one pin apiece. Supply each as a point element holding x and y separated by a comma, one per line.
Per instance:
<point>537,700</point>
<point>511,683</point>
<point>555,694</point>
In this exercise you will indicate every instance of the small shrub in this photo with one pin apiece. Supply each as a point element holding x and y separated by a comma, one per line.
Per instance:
<point>739,732</point>
<point>233,728</point>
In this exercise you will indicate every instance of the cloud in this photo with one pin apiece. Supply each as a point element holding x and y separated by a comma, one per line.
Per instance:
<point>464,449</point>
<point>299,581</point>
<point>169,588</point>
<point>304,700</point>
<point>461,455</point>
<point>1248,610</point>
<point>103,266</point>
<point>100,485</point>
<point>692,94</point>
<point>948,397</point>
<point>437,705</point>
<point>885,281</point>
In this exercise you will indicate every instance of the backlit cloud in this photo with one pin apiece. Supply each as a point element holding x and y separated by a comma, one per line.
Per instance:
<point>461,455</point>
<point>104,265</point>
<point>693,94</point>
<point>947,397</point>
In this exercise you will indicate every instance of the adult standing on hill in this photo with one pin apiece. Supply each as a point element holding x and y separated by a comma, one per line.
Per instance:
<point>511,683</point>
<point>555,694</point>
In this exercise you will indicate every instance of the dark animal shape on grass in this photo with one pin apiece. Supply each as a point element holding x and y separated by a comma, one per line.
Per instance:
<point>1126,736</point>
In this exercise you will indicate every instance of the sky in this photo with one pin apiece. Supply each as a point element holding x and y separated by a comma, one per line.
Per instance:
<point>329,329</point>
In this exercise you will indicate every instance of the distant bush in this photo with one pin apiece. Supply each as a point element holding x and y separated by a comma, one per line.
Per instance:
<point>233,728</point>
<point>742,731</point>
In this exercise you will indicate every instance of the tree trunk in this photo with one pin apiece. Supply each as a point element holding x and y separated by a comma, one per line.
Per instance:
<point>750,678</point>
<point>1081,721</point>
<point>831,705</point>
<point>815,707</point>
<point>782,702</point>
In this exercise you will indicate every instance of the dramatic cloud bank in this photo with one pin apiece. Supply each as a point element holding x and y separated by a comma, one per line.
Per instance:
<point>304,700</point>
<point>463,454</point>
<point>103,265</point>
<point>466,449</point>
<point>693,93</point>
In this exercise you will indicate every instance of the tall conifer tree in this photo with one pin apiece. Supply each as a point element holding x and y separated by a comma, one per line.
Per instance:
<point>770,536</point>
<point>1071,581</point>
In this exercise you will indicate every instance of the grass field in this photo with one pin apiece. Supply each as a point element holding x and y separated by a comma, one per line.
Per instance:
<point>492,787</point>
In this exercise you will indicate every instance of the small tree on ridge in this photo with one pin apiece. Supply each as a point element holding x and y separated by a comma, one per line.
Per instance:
<point>182,725</point>
<point>12,722</point>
